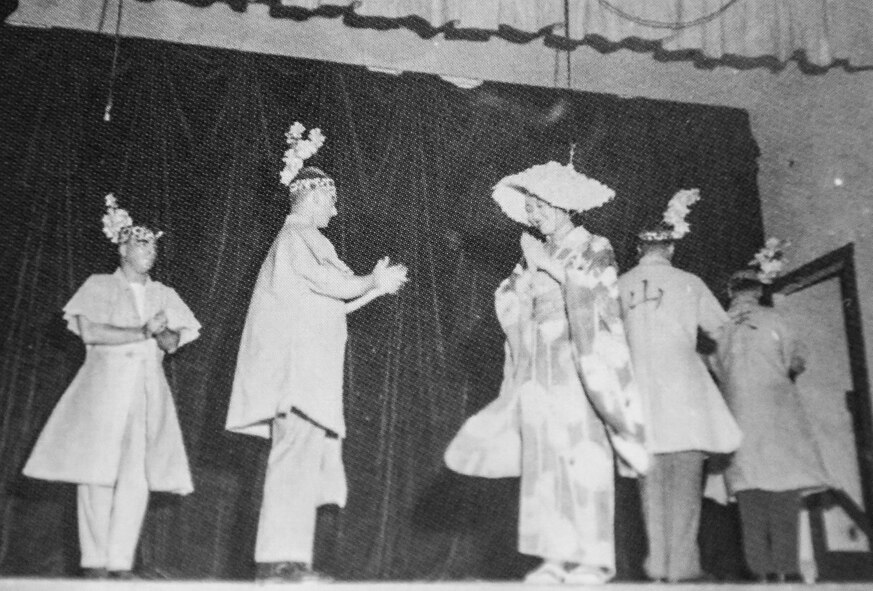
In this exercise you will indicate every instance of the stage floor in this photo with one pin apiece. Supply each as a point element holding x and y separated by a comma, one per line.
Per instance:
<point>34,584</point>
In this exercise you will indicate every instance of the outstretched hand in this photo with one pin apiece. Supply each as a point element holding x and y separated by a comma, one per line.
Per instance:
<point>389,277</point>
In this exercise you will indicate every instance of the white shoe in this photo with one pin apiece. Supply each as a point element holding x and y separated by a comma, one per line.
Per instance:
<point>548,573</point>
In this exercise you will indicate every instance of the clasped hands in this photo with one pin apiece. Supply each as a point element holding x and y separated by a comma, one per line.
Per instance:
<point>156,328</point>
<point>389,277</point>
<point>155,325</point>
<point>538,259</point>
<point>534,252</point>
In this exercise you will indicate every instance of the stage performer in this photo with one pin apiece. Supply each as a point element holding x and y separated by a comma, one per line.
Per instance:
<point>289,372</point>
<point>757,361</point>
<point>568,397</point>
<point>663,308</point>
<point>114,431</point>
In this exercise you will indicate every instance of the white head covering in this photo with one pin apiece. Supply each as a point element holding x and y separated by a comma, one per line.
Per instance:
<point>557,184</point>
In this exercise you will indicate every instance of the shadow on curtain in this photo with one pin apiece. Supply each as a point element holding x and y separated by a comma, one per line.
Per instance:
<point>194,148</point>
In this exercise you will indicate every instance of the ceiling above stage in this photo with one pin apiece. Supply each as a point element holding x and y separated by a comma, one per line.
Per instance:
<point>819,34</point>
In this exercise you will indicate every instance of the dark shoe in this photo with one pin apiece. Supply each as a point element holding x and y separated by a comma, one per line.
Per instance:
<point>95,573</point>
<point>122,575</point>
<point>271,571</point>
<point>304,573</point>
<point>787,578</point>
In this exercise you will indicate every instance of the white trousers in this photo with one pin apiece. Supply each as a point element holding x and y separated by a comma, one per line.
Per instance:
<point>111,517</point>
<point>672,493</point>
<point>304,471</point>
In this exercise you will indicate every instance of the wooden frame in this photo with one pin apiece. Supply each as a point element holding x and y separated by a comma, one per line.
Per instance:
<point>840,264</point>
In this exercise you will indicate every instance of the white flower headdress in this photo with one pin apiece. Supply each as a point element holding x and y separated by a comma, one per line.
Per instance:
<point>673,226</point>
<point>770,260</point>
<point>557,184</point>
<point>118,225</point>
<point>300,149</point>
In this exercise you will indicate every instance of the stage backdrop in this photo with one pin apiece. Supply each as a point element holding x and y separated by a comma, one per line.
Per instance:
<point>194,147</point>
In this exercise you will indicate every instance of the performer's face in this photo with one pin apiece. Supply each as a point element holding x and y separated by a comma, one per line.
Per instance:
<point>325,205</point>
<point>541,215</point>
<point>139,254</point>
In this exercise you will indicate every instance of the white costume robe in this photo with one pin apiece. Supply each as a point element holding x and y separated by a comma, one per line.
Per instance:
<point>82,440</point>
<point>778,452</point>
<point>662,308</point>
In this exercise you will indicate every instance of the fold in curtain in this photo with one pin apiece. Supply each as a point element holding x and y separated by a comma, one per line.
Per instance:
<point>194,147</point>
<point>820,31</point>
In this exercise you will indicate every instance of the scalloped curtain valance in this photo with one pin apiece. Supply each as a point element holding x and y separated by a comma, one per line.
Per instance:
<point>820,32</point>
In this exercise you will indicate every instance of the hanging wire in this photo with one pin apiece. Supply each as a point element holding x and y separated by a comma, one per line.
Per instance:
<point>557,71</point>
<point>107,113</point>
<point>567,36</point>
<point>103,10</point>
<point>677,25</point>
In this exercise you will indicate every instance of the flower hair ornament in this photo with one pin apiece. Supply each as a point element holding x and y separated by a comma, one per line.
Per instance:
<point>673,225</point>
<point>298,151</point>
<point>770,260</point>
<point>118,225</point>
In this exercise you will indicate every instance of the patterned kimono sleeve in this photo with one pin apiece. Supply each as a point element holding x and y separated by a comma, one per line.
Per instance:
<point>180,318</point>
<point>513,304</point>
<point>93,301</point>
<point>489,443</point>
<point>600,348</point>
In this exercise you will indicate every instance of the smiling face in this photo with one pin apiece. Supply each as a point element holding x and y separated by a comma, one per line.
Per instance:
<point>542,216</point>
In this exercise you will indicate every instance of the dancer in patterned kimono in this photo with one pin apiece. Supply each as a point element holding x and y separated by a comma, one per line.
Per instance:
<point>663,308</point>
<point>289,372</point>
<point>114,432</point>
<point>757,361</point>
<point>568,398</point>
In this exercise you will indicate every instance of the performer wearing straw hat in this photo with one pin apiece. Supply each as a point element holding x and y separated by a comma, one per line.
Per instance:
<point>568,398</point>
<point>663,308</point>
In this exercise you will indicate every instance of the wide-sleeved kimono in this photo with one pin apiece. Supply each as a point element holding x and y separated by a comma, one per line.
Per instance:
<point>567,389</point>
<point>778,451</point>
<point>293,344</point>
<point>82,441</point>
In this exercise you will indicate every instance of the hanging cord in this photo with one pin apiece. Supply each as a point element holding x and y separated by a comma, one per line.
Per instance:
<point>567,36</point>
<point>665,24</point>
<point>569,80</point>
<point>107,113</point>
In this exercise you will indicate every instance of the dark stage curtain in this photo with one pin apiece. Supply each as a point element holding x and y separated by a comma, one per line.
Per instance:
<point>194,147</point>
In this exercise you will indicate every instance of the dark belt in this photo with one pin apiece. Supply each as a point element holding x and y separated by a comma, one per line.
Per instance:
<point>296,411</point>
